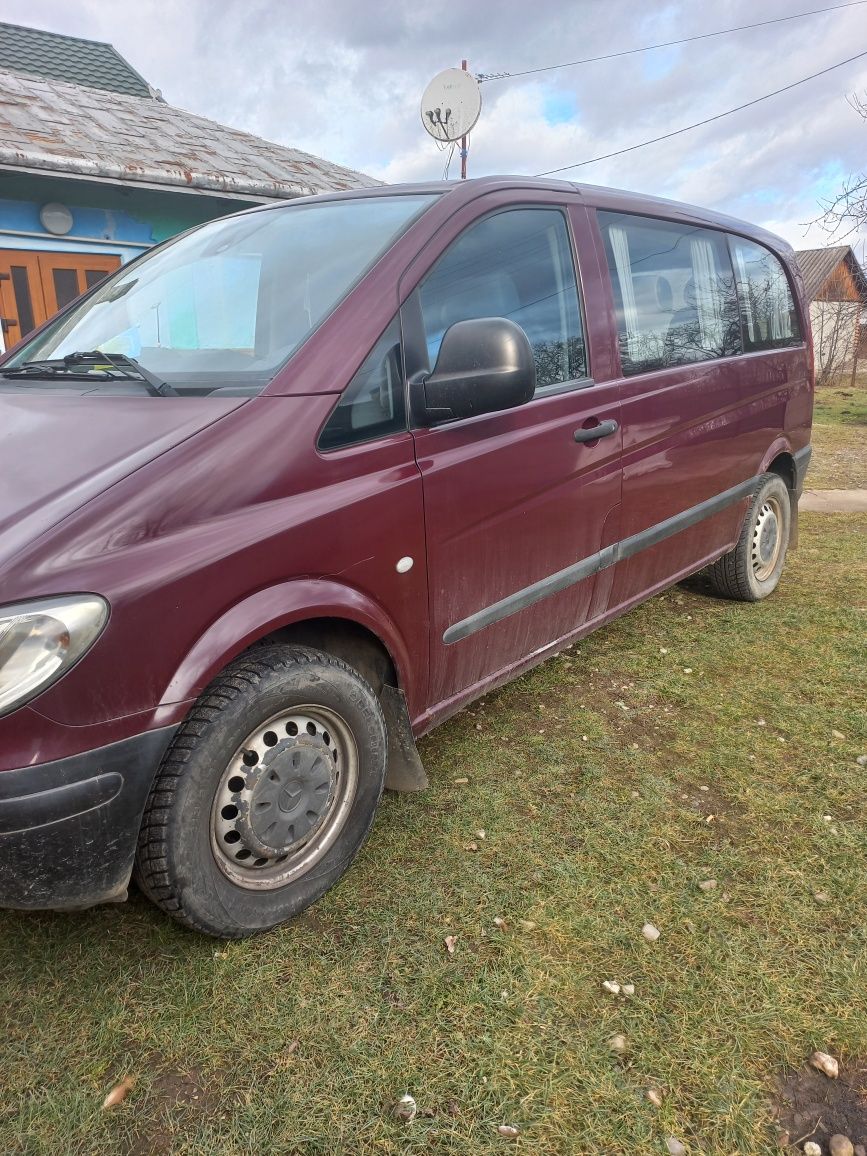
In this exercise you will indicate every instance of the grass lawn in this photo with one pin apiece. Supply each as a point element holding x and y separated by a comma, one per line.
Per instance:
<point>840,437</point>
<point>694,739</point>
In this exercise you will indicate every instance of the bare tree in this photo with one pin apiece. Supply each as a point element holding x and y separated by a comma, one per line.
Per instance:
<point>846,212</point>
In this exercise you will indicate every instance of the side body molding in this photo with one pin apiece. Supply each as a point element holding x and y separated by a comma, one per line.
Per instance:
<point>275,607</point>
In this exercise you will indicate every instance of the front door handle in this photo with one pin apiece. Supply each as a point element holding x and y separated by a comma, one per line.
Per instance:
<point>603,430</point>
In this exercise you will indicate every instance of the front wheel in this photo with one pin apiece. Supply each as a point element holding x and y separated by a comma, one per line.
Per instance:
<point>266,793</point>
<point>751,571</point>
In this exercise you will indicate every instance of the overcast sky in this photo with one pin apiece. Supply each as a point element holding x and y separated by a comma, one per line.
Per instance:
<point>343,79</point>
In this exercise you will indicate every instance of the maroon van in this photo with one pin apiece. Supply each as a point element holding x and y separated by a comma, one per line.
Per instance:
<point>289,490</point>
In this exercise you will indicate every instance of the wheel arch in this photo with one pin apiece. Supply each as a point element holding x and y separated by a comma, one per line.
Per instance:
<point>320,613</point>
<point>781,461</point>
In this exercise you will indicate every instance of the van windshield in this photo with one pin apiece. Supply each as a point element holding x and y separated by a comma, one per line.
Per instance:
<point>223,307</point>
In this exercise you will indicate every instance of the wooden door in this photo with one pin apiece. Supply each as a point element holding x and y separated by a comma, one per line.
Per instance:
<point>66,275</point>
<point>22,305</point>
<point>35,285</point>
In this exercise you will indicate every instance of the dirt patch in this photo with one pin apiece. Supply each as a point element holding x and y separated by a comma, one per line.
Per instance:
<point>175,1094</point>
<point>809,1106</point>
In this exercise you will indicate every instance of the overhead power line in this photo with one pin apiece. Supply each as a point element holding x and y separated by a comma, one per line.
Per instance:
<point>486,77</point>
<point>698,124</point>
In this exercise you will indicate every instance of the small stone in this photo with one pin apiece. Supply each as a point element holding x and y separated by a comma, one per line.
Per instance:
<point>783,1140</point>
<point>860,1150</point>
<point>828,818</point>
<point>611,986</point>
<point>822,1062</point>
<point>526,925</point>
<point>510,1131</point>
<point>405,1109</point>
<point>618,1044</point>
<point>811,1148</point>
<point>460,782</point>
<point>687,670</point>
<point>654,1096</point>
<point>838,735</point>
<point>704,788</point>
<point>450,941</point>
<point>821,896</point>
<point>675,1148</point>
<point>841,1146</point>
<point>663,650</point>
<point>635,794</point>
<point>761,723</point>
<point>500,922</point>
<point>629,989</point>
<point>862,762</point>
<point>650,933</point>
<point>481,834</point>
<point>471,846</point>
<point>707,885</point>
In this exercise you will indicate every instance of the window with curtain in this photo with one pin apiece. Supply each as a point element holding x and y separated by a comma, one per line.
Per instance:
<point>770,320</point>
<point>674,292</point>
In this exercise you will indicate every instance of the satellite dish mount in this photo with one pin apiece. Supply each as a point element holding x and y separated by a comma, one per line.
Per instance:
<point>450,107</point>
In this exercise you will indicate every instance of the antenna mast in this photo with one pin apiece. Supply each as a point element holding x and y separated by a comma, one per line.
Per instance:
<point>464,141</point>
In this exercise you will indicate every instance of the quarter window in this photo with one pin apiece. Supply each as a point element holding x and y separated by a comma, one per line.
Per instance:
<point>674,292</point>
<point>517,264</point>
<point>769,317</point>
<point>373,403</point>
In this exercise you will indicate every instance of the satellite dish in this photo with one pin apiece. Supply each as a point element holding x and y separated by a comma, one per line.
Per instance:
<point>451,104</point>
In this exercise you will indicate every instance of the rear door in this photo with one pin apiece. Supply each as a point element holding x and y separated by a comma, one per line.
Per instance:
<point>698,414</point>
<point>515,506</point>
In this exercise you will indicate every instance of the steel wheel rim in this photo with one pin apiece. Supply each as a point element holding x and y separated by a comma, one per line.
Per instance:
<point>284,797</point>
<point>767,542</point>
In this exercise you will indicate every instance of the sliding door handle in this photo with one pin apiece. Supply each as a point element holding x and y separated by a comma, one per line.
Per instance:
<point>603,430</point>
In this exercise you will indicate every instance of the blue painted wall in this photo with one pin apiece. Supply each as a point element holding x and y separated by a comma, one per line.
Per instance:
<point>106,219</point>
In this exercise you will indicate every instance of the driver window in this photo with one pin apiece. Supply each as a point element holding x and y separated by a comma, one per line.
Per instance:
<point>517,264</point>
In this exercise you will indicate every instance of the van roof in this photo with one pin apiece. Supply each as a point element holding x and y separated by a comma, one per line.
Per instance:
<point>598,196</point>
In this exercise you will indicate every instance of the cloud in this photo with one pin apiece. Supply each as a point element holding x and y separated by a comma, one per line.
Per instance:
<point>343,80</point>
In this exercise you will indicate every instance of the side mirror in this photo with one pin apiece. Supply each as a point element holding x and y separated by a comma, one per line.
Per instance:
<point>483,365</point>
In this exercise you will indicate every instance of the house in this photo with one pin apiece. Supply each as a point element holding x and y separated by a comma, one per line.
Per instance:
<point>95,167</point>
<point>836,287</point>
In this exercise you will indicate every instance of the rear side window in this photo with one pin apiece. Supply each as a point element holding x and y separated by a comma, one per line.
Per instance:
<point>373,403</point>
<point>517,264</point>
<point>674,292</point>
<point>770,320</point>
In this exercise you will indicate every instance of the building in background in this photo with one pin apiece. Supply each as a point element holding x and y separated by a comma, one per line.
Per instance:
<point>95,167</point>
<point>836,288</point>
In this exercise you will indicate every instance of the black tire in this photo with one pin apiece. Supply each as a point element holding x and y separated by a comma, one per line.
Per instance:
<point>181,863</point>
<point>751,571</point>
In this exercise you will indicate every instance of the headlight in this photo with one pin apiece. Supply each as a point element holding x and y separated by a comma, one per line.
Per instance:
<point>40,641</point>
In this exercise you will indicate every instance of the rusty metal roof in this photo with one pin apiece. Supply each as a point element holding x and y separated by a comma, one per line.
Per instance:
<point>817,265</point>
<point>89,62</point>
<point>52,127</point>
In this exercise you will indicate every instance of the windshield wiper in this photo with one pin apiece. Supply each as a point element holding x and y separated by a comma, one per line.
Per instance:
<point>95,365</point>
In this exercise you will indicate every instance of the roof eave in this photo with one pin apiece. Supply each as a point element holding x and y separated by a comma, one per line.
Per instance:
<point>140,176</point>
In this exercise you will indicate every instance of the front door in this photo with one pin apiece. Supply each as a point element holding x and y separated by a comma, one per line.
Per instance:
<point>516,502</point>
<point>35,285</point>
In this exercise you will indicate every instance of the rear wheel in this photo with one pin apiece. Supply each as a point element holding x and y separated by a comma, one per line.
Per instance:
<point>751,571</point>
<point>266,793</point>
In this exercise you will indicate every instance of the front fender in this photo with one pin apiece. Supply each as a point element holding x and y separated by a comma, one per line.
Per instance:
<point>275,607</point>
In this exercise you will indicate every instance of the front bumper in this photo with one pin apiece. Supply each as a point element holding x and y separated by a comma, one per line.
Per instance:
<point>68,829</point>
